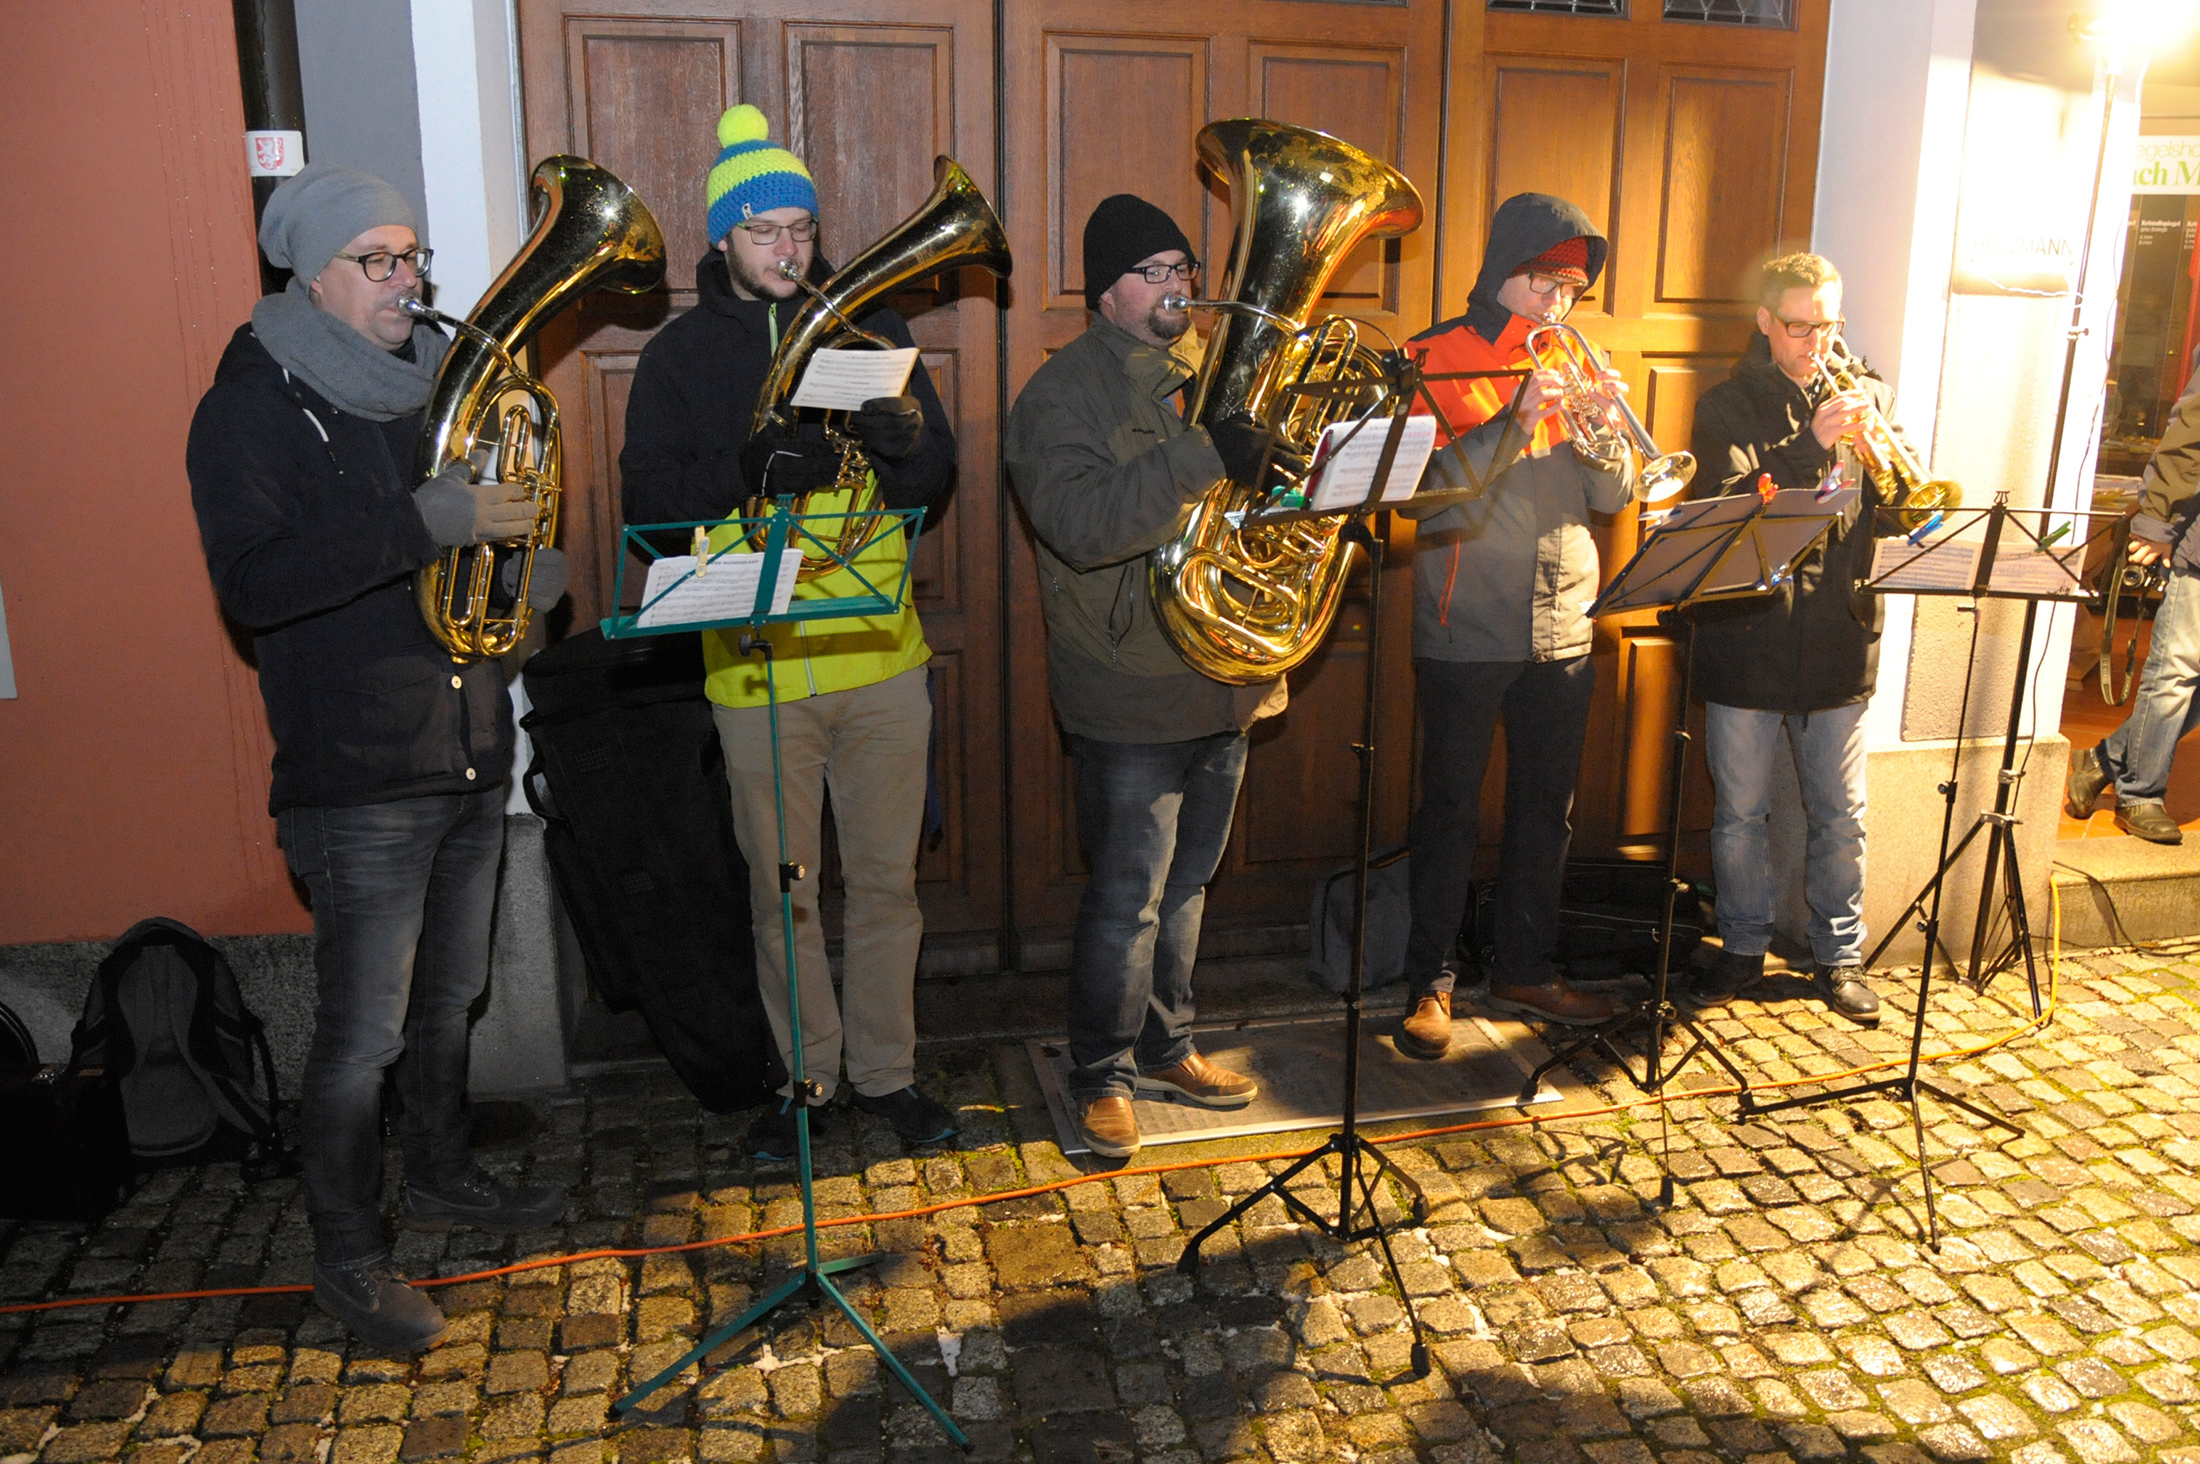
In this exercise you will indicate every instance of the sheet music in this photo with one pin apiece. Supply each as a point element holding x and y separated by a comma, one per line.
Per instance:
<point>843,380</point>
<point>725,591</point>
<point>2033,572</point>
<point>1344,471</point>
<point>1943,564</point>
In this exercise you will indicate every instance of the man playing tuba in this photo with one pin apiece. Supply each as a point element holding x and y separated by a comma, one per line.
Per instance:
<point>1500,586</point>
<point>855,708</point>
<point>1107,468</point>
<point>390,756</point>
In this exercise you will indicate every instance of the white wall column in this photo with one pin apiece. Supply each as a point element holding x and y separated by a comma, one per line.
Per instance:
<point>466,60</point>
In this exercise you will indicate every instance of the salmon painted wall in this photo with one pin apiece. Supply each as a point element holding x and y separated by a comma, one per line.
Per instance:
<point>134,761</point>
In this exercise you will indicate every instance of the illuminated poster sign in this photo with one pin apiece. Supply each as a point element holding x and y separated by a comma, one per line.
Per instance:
<point>2167,165</point>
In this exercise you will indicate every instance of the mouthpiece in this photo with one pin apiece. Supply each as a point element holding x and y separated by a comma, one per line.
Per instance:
<point>789,270</point>
<point>1176,302</point>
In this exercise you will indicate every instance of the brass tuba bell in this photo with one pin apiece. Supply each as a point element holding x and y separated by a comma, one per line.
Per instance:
<point>1244,601</point>
<point>592,233</point>
<point>955,227</point>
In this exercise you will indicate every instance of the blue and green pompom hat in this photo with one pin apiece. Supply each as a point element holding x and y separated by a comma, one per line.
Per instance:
<point>751,175</point>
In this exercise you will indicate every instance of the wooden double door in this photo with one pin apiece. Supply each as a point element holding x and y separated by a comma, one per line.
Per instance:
<point>1692,146</point>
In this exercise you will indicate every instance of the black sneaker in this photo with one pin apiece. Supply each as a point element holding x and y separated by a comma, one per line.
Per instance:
<point>915,1117</point>
<point>772,1137</point>
<point>485,1204</point>
<point>1729,975</point>
<point>1844,990</point>
<point>373,1300</point>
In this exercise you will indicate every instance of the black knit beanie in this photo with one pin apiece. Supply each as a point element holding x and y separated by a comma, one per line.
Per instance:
<point>1123,230</point>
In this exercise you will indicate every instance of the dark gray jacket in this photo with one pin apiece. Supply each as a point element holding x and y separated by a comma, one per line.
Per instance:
<point>2169,490</point>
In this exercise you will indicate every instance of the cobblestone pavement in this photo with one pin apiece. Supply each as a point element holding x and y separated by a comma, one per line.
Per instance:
<point>1784,1308</point>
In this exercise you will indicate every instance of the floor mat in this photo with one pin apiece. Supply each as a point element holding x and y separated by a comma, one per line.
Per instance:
<point>1300,1065</point>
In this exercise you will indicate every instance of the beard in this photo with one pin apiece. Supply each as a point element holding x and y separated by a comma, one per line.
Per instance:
<point>773,286</point>
<point>1166,324</point>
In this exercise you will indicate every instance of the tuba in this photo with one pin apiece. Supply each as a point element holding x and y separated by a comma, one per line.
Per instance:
<point>592,233</point>
<point>1241,600</point>
<point>953,228</point>
<point>1913,496</point>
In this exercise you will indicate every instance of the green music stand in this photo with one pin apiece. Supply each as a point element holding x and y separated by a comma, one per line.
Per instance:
<point>685,601</point>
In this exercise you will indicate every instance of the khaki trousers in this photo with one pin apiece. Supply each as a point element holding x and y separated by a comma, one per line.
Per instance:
<point>869,746</point>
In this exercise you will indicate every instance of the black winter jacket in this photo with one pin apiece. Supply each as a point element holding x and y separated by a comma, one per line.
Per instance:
<point>1813,644</point>
<point>307,520</point>
<point>694,391</point>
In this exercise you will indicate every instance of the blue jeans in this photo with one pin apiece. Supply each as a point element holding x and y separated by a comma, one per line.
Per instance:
<point>1829,762</point>
<point>1153,818</point>
<point>1545,706</point>
<point>2137,755</point>
<point>402,893</point>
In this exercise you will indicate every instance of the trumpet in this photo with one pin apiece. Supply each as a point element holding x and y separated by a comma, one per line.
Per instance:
<point>1599,420</point>
<point>1912,495</point>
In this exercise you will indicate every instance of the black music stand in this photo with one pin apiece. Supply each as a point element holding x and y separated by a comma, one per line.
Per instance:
<point>2026,567</point>
<point>1404,386</point>
<point>1710,549</point>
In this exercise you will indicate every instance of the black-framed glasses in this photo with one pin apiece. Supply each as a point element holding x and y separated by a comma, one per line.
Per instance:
<point>381,264</point>
<point>1542,286</point>
<point>1803,330</point>
<point>1158,274</point>
<point>764,234</point>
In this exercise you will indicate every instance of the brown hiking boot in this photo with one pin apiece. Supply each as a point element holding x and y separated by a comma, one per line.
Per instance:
<point>1426,1033</point>
<point>1556,1001</point>
<point>1196,1080</point>
<point>1108,1127</point>
<point>2149,821</point>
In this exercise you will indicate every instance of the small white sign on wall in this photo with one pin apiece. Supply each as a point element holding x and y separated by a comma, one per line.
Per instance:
<point>274,154</point>
<point>2166,165</point>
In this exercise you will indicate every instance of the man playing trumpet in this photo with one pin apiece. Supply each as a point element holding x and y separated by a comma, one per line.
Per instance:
<point>855,710</point>
<point>1500,586</point>
<point>1796,665</point>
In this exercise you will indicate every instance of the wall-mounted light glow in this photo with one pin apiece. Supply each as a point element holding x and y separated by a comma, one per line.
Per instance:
<point>2137,23</point>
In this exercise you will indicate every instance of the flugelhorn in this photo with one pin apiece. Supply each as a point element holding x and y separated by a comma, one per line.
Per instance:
<point>1599,420</point>
<point>593,233</point>
<point>1910,492</point>
<point>952,229</point>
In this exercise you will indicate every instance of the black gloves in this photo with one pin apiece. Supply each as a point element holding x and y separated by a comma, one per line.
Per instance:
<point>1241,442</point>
<point>460,511</point>
<point>890,427</point>
<point>545,583</point>
<point>777,461</point>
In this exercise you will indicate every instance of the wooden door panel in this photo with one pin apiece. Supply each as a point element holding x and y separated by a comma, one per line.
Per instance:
<point>868,108</point>
<point>1356,95</point>
<point>1117,104</point>
<point>1724,183</point>
<point>1555,125</point>
<point>680,75</point>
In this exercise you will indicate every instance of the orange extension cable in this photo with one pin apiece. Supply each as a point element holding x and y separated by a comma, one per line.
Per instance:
<point>1651,1100</point>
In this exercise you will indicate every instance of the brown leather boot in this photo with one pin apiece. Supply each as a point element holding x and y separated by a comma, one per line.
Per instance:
<point>1108,1127</point>
<point>1196,1080</point>
<point>1426,1032</point>
<point>1556,1001</point>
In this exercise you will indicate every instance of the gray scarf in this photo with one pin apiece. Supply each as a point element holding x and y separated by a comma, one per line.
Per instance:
<point>354,373</point>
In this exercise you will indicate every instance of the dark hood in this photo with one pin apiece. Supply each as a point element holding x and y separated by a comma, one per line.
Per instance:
<point>1525,226</point>
<point>714,286</point>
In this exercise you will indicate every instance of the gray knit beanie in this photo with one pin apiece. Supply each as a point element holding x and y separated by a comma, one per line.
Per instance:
<point>320,210</point>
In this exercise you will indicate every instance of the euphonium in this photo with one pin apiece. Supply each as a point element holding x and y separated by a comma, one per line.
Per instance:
<point>592,233</point>
<point>1599,420</point>
<point>1240,600</point>
<point>1912,495</point>
<point>953,228</point>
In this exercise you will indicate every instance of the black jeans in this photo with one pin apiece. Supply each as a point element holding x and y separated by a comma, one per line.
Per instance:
<point>1545,705</point>
<point>402,894</point>
<point>1154,818</point>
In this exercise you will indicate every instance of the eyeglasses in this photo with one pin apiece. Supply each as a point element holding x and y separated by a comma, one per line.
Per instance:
<point>765,235</point>
<point>1803,330</point>
<point>1543,284</point>
<point>1157,274</point>
<point>381,264</point>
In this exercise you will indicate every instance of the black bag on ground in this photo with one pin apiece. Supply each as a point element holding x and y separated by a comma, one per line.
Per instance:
<point>630,783</point>
<point>1389,922</point>
<point>1610,913</point>
<point>167,1023</point>
<point>64,1152</point>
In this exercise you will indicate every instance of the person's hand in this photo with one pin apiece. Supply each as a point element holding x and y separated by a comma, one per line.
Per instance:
<point>459,511</point>
<point>2146,551</point>
<point>1839,417</point>
<point>778,462</point>
<point>546,581</point>
<point>889,427</point>
<point>1242,443</point>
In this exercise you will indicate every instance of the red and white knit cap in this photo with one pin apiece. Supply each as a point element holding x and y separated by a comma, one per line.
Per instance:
<point>1567,260</point>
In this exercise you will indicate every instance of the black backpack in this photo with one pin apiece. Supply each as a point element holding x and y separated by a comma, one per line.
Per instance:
<point>167,1021</point>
